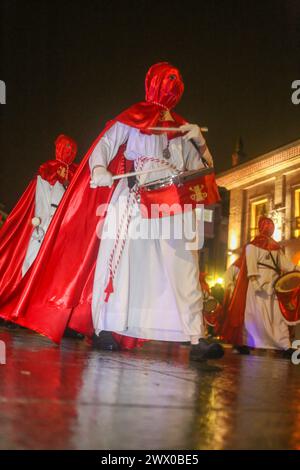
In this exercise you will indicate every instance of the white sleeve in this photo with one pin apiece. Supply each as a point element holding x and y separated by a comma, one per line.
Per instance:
<point>193,157</point>
<point>43,200</point>
<point>108,146</point>
<point>251,260</point>
<point>286,264</point>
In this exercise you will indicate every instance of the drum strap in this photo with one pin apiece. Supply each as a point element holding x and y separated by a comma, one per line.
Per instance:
<point>276,264</point>
<point>275,267</point>
<point>267,266</point>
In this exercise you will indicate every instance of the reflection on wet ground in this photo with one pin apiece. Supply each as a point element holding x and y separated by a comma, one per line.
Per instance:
<point>71,397</point>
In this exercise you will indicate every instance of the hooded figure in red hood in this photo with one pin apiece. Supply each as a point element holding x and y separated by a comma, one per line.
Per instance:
<point>253,317</point>
<point>137,288</point>
<point>22,234</point>
<point>61,169</point>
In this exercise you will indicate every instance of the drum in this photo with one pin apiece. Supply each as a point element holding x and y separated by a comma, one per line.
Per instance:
<point>209,305</point>
<point>178,193</point>
<point>211,311</point>
<point>287,288</point>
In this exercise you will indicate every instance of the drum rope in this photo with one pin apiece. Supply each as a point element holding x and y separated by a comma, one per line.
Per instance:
<point>142,160</point>
<point>119,243</point>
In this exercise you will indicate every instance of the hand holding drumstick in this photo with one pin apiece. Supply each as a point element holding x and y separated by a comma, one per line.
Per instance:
<point>193,133</point>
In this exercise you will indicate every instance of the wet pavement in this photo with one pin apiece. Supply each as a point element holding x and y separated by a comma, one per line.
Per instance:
<point>71,397</point>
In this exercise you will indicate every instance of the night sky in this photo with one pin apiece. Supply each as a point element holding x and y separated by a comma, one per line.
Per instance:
<point>70,66</point>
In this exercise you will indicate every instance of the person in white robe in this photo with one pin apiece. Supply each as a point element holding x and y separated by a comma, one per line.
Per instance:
<point>156,290</point>
<point>265,326</point>
<point>52,181</point>
<point>262,324</point>
<point>47,199</point>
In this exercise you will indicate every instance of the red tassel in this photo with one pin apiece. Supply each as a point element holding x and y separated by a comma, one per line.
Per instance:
<point>109,288</point>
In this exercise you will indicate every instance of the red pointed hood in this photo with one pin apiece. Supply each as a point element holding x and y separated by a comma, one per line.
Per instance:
<point>164,88</point>
<point>61,169</point>
<point>264,239</point>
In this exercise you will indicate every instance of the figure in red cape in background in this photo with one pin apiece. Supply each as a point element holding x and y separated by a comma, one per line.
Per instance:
<point>23,231</point>
<point>253,317</point>
<point>61,282</point>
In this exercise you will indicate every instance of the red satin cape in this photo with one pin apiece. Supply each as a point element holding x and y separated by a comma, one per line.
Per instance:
<point>56,291</point>
<point>14,238</point>
<point>17,229</point>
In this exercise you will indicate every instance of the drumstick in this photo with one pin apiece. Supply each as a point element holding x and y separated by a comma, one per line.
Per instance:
<point>204,161</point>
<point>138,173</point>
<point>174,129</point>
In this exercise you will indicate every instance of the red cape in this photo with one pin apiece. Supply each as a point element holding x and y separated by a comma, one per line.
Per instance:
<point>14,238</point>
<point>17,229</point>
<point>57,290</point>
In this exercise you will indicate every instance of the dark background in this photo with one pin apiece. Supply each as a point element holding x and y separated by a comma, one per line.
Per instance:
<point>70,66</point>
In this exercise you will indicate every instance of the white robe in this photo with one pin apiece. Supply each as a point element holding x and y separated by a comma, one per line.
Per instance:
<point>264,324</point>
<point>46,198</point>
<point>157,293</point>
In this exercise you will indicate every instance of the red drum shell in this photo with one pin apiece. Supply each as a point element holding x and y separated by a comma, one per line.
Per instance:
<point>192,189</point>
<point>287,288</point>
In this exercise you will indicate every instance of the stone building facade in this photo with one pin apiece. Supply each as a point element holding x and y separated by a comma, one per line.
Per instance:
<point>268,184</point>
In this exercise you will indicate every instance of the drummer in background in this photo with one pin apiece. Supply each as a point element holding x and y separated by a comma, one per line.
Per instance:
<point>149,288</point>
<point>53,178</point>
<point>253,318</point>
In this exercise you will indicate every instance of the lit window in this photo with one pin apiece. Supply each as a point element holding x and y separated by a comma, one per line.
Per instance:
<point>297,213</point>
<point>258,208</point>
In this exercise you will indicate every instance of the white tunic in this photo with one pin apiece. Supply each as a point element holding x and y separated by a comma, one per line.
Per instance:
<point>264,324</point>
<point>157,293</point>
<point>46,198</point>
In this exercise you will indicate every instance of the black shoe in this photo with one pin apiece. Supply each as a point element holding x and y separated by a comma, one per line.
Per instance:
<point>69,333</point>
<point>105,342</point>
<point>205,350</point>
<point>287,354</point>
<point>242,350</point>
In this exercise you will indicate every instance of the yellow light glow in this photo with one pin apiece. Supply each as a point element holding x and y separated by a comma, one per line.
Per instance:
<point>231,259</point>
<point>297,209</point>
<point>277,218</point>
<point>233,241</point>
<point>296,258</point>
<point>277,233</point>
<point>213,280</point>
<point>210,281</point>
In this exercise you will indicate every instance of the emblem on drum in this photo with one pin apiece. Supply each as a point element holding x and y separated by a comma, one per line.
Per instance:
<point>62,172</point>
<point>199,195</point>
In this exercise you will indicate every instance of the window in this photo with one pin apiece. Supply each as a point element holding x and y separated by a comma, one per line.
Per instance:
<point>258,208</point>
<point>297,213</point>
